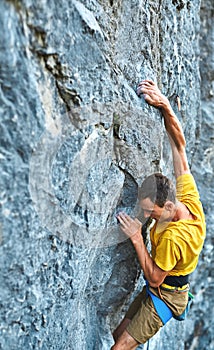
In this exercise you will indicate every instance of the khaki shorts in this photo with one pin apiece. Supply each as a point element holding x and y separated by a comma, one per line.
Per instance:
<point>145,321</point>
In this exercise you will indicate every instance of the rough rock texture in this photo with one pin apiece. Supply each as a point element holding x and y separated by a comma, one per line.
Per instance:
<point>76,142</point>
<point>199,334</point>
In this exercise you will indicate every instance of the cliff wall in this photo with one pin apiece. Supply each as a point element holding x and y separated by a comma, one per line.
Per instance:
<point>76,142</point>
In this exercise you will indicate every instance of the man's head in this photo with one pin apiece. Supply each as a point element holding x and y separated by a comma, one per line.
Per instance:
<point>157,196</point>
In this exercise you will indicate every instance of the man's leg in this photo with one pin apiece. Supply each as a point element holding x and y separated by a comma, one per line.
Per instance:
<point>139,328</point>
<point>134,307</point>
<point>125,342</point>
<point>121,328</point>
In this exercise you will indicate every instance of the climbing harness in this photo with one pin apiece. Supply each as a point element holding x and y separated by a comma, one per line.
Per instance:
<point>164,312</point>
<point>162,309</point>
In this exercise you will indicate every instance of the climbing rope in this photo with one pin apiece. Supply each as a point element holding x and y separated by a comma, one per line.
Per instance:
<point>148,345</point>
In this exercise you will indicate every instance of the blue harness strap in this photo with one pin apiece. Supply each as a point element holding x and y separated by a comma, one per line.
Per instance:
<point>162,309</point>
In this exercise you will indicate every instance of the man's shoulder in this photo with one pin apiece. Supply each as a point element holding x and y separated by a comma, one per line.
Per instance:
<point>187,176</point>
<point>186,185</point>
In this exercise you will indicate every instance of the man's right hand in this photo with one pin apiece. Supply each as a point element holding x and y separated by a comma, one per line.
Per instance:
<point>151,94</point>
<point>154,97</point>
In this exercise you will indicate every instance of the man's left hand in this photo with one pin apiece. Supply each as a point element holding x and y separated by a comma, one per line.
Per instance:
<point>131,227</point>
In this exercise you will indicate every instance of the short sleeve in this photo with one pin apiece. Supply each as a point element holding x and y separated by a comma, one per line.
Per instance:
<point>167,254</point>
<point>186,187</point>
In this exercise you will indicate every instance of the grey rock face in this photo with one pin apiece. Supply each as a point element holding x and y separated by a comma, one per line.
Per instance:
<point>199,333</point>
<point>76,142</point>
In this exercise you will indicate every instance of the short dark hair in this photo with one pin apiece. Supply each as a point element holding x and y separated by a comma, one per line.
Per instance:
<point>158,188</point>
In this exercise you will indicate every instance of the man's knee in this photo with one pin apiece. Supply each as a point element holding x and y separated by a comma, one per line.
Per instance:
<point>114,347</point>
<point>120,329</point>
<point>125,342</point>
<point>117,347</point>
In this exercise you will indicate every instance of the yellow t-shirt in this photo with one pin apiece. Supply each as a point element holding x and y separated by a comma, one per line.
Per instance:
<point>176,248</point>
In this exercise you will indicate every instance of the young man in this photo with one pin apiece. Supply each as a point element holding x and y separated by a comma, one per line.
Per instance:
<point>176,238</point>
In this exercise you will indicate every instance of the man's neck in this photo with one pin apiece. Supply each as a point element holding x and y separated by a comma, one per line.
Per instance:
<point>182,212</point>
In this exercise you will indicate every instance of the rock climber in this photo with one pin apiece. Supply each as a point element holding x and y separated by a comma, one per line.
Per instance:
<point>177,236</point>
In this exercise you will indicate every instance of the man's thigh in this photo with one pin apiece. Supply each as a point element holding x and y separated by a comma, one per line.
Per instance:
<point>136,304</point>
<point>145,323</point>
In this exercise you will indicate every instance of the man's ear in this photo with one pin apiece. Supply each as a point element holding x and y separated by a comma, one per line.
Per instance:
<point>169,206</point>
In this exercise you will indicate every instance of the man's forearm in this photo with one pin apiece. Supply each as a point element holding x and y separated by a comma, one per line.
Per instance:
<point>132,228</point>
<point>154,97</point>
<point>172,124</point>
<point>153,274</point>
<point>145,260</point>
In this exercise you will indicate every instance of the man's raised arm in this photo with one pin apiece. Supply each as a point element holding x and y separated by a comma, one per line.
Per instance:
<point>154,97</point>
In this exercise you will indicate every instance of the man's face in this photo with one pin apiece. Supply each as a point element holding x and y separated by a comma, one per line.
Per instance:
<point>152,210</point>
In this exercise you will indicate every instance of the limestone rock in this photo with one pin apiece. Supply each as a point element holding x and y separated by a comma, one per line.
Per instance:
<point>76,142</point>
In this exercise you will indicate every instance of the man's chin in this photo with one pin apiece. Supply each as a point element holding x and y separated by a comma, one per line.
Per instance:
<point>160,220</point>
